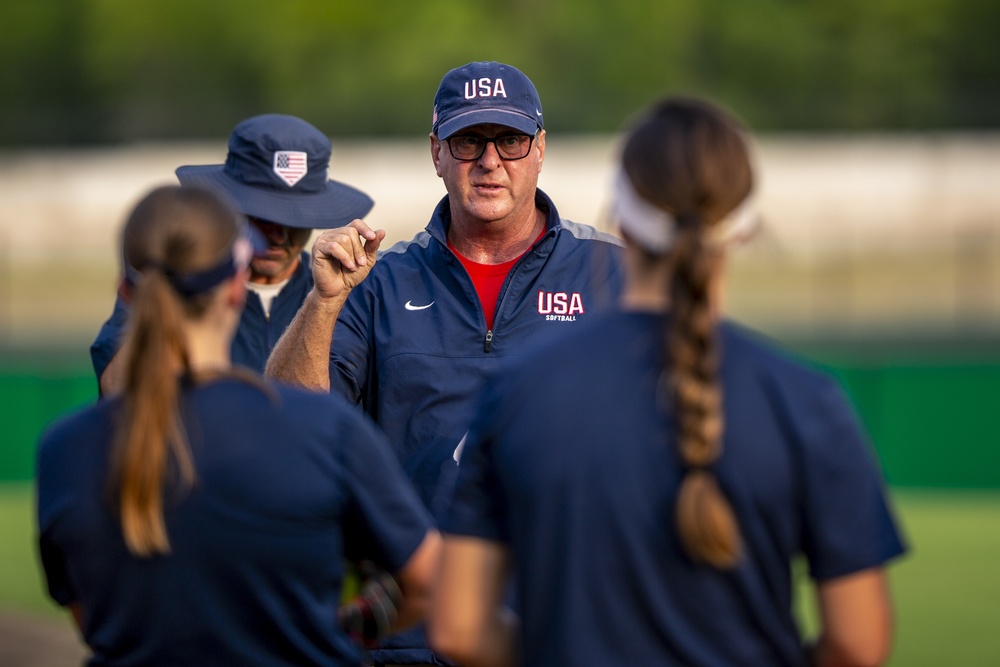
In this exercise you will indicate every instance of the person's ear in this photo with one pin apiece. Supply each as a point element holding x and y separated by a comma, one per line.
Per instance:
<point>436,147</point>
<point>540,147</point>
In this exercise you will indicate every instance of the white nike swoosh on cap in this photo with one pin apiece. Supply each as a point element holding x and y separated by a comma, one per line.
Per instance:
<point>410,306</point>
<point>538,112</point>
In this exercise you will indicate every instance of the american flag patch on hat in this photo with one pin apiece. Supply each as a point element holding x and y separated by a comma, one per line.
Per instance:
<point>291,166</point>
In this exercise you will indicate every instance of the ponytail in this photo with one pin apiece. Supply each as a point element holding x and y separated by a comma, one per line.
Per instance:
<point>151,445</point>
<point>178,244</point>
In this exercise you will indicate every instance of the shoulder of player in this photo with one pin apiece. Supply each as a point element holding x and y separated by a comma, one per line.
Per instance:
<point>777,367</point>
<point>77,430</point>
<point>256,394</point>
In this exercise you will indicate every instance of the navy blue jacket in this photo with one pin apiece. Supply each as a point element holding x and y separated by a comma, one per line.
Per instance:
<point>255,338</point>
<point>412,345</point>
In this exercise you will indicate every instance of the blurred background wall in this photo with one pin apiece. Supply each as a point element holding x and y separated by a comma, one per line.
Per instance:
<point>883,233</point>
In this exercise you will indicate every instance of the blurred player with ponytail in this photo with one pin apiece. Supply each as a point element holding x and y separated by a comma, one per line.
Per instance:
<point>651,477</point>
<point>203,516</point>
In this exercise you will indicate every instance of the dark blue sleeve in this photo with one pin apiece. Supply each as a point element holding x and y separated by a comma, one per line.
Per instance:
<point>56,577</point>
<point>350,350</point>
<point>51,502</point>
<point>109,338</point>
<point>386,521</point>
<point>848,525</point>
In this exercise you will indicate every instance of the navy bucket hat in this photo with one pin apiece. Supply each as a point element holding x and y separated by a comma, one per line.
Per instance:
<point>276,170</point>
<point>486,92</point>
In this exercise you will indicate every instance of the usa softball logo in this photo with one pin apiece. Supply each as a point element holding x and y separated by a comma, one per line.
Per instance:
<point>560,306</point>
<point>291,166</point>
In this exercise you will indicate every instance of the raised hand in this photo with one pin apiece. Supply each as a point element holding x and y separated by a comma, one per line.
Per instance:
<point>342,258</point>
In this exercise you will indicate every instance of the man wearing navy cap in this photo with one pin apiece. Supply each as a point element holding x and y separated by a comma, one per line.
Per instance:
<point>276,174</point>
<point>414,332</point>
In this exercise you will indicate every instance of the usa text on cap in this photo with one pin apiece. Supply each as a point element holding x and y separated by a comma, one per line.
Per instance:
<point>486,92</point>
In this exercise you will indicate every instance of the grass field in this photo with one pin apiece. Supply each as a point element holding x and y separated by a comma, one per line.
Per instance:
<point>946,590</point>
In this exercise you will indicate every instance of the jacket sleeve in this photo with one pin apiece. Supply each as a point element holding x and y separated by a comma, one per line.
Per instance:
<point>351,348</point>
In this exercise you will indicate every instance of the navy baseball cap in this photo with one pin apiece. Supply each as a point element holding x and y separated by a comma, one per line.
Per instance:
<point>486,92</point>
<point>276,170</point>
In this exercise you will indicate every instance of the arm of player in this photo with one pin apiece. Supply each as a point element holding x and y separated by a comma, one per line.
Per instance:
<point>416,581</point>
<point>341,259</point>
<point>468,621</point>
<point>855,621</point>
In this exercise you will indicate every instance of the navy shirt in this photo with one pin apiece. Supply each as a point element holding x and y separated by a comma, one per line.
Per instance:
<point>572,464</point>
<point>255,338</point>
<point>287,488</point>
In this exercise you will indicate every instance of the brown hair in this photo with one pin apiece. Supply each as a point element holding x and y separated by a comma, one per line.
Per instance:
<point>172,230</point>
<point>691,159</point>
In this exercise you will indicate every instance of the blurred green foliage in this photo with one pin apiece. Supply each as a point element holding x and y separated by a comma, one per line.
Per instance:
<point>86,71</point>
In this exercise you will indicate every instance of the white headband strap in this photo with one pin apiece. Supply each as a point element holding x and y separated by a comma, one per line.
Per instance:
<point>654,228</point>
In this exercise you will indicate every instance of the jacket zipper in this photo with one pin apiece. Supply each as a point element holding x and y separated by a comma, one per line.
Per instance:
<point>488,343</point>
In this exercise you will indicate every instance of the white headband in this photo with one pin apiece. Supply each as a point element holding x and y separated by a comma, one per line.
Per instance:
<point>654,228</point>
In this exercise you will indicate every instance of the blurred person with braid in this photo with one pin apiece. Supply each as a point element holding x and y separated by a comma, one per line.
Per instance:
<point>203,516</point>
<point>651,477</point>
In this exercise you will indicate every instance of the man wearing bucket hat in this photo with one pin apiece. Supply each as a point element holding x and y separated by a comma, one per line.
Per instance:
<point>276,174</point>
<point>422,326</point>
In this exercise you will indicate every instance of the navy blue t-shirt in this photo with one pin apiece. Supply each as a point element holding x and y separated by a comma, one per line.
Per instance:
<point>287,486</point>
<point>572,464</point>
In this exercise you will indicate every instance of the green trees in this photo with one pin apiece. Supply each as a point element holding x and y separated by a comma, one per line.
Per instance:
<point>76,71</point>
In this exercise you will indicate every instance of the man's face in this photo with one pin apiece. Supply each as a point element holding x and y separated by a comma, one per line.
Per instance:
<point>489,188</point>
<point>279,261</point>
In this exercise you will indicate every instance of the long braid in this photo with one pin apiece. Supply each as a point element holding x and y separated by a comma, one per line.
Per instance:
<point>690,160</point>
<point>705,521</point>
